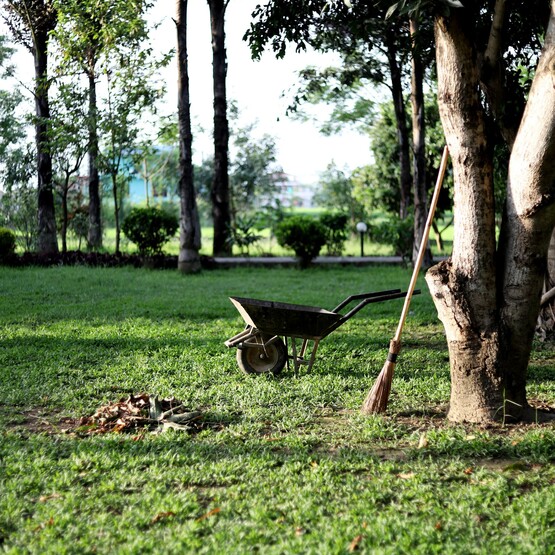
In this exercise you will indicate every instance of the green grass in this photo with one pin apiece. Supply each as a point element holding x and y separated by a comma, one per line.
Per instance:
<point>266,246</point>
<point>283,465</point>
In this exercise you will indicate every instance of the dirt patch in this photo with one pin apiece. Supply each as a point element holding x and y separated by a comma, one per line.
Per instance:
<point>540,414</point>
<point>37,420</point>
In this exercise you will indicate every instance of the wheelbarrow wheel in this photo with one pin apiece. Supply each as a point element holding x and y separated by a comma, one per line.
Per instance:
<point>263,360</point>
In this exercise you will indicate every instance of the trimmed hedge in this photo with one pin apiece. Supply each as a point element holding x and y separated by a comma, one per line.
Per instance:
<point>305,235</point>
<point>149,228</point>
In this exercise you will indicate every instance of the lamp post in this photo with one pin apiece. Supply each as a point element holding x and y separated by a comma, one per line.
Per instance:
<point>362,228</point>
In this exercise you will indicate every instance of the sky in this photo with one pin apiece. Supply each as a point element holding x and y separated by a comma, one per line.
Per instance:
<point>257,87</point>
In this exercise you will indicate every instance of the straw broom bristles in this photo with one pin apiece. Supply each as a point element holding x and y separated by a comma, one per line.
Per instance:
<point>377,398</point>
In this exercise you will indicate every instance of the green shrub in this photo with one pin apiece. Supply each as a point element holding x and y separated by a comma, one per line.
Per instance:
<point>7,243</point>
<point>305,235</point>
<point>242,234</point>
<point>149,228</point>
<point>397,233</point>
<point>79,224</point>
<point>336,231</point>
<point>18,211</point>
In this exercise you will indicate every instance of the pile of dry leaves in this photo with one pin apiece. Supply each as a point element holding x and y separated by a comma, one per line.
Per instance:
<point>140,411</point>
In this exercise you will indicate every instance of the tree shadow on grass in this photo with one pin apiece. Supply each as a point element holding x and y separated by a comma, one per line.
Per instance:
<point>266,451</point>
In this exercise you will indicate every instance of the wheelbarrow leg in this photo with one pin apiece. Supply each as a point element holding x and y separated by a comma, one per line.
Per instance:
<point>296,363</point>
<point>298,356</point>
<point>313,355</point>
<point>303,348</point>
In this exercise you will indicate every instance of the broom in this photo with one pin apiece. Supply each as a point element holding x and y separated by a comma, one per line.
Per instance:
<point>376,401</point>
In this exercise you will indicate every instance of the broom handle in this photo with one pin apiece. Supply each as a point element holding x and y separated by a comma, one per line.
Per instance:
<point>423,244</point>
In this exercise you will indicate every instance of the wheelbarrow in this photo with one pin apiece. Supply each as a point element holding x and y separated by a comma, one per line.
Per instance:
<point>260,347</point>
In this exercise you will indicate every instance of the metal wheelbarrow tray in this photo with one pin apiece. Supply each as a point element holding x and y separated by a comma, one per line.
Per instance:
<point>260,347</point>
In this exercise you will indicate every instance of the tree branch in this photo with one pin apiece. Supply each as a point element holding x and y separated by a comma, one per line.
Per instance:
<point>546,297</point>
<point>492,77</point>
<point>492,54</point>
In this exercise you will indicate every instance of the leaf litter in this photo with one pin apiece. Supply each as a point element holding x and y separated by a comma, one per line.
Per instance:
<point>141,412</point>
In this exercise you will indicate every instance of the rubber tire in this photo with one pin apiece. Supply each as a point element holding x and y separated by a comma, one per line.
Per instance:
<point>253,360</point>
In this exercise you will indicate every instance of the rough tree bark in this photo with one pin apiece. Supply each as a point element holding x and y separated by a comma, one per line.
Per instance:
<point>94,238</point>
<point>488,299</point>
<point>31,23</point>
<point>220,184</point>
<point>47,242</point>
<point>189,223</point>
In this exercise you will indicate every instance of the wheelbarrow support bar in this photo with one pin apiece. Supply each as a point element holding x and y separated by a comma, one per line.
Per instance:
<point>367,299</point>
<point>351,298</point>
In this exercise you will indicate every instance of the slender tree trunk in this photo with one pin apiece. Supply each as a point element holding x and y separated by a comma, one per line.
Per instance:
<point>419,148</point>
<point>116,211</point>
<point>546,320</point>
<point>550,278</point>
<point>220,185</point>
<point>401,122</point>
<point>493,83</point>
<point>47,242</point>
<point>95,222</point>
<point>146,180</point>
<point>64,214</point>
<point>550,274</point>
<point>489,303</point>
<point>439,238</point>
<point>189,221</point>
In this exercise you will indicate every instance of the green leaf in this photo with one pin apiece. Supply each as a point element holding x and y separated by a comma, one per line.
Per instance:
<point>392,9</point>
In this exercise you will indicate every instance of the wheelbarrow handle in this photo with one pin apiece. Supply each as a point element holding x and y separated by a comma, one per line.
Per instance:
<point>358,296</point>
<point>376,298</point>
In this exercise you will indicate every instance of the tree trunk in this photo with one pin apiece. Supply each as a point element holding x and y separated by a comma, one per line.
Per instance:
<point>146,180</point>
<point>546,320</point>
<point>116,211</point>
<point>65,191</point>
<point>464,287</point>
<point>220,184</point>
<point>189,222</point>
<point>47,242</point>
<point>439,239</point>
<point>419,148</point>
<point>401,122</point>
<point>529,222</point>
<point>550,278</point>
<point>492,79</point>
<point>95,223</point>
<point>489,303</point>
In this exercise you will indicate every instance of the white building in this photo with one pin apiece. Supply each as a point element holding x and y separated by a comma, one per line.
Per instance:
<point>292,193</point>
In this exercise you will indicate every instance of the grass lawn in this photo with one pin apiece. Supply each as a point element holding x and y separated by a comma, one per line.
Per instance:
<point>278,465</point>
<point>267,245</point>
